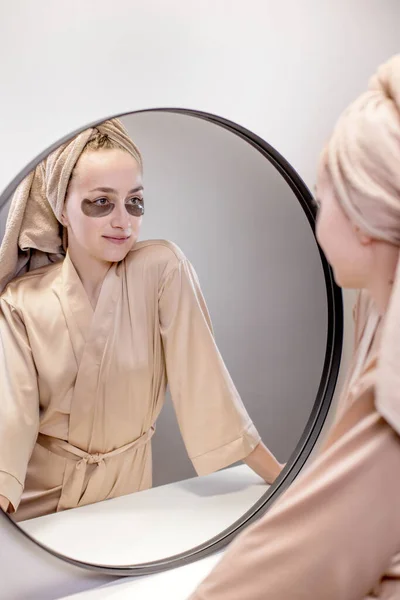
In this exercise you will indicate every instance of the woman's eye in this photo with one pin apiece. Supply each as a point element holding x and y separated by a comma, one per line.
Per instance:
<point>101,201</point>
<point>316,203</point>
<point>135,207</point>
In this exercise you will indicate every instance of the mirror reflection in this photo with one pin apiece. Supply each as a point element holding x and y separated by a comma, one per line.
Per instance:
<point>155,260</point>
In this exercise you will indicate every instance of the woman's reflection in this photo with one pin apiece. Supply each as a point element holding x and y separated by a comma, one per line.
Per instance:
<point>93,326</point>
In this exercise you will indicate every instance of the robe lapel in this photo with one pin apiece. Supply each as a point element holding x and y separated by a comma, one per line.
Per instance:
<point>90,331</point>
<point>78,311</point>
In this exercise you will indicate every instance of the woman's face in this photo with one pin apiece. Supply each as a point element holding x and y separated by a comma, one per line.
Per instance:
<point>348,251</point>
<point>104,204</point>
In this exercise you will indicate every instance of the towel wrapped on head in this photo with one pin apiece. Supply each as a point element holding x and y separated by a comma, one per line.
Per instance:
<point>363,156</point>
<point>362,162</point>
<point>34,235</point>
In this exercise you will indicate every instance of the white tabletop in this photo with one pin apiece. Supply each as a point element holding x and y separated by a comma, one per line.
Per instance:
<point>153,524</point>
<point>176,584</point>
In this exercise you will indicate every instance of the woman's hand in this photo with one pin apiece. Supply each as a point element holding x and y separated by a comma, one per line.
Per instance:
<point>264,463</point>
<point>4,503</point>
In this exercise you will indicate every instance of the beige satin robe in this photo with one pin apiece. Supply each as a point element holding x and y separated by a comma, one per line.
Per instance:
<point>335,533</point>
<point>81,389</point>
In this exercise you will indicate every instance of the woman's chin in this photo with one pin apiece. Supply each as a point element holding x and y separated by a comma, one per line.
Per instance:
<point>116,254</point>
<point>346,281</point>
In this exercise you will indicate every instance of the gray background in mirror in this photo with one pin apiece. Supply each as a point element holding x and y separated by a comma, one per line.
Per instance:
<point>248,238</point>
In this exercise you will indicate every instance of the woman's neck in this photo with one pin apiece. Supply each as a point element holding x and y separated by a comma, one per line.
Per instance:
<point>91,272</point>
<point>383,273</point>
<point>380,293</point>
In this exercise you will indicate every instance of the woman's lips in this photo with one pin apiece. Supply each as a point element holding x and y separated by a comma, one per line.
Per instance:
<point>116,240</point>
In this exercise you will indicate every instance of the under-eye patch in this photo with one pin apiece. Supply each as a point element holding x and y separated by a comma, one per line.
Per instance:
<point>135,208</point>
<point>95,209</point>
<point>315,203</point>
<point>102,207</point>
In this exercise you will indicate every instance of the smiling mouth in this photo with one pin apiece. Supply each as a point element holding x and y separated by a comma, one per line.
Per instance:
<point>116,240</point>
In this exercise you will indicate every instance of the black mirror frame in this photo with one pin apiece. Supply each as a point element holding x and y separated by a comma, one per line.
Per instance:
<point>326,388</point>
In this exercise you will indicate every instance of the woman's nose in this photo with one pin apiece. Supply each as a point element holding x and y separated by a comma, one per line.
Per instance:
<point>120,217</point>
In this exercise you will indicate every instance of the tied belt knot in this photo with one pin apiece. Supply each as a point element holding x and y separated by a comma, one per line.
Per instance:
<point>74,491</point>
<point>91,459</point>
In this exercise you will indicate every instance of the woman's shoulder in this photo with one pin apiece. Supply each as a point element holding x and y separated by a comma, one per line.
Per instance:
<point>160,253</point>
<point>26,286</point>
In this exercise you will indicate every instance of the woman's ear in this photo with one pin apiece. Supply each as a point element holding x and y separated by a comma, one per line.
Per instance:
<point>363,238</point>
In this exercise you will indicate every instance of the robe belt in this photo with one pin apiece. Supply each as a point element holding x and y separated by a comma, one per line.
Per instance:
<point>72,493</point>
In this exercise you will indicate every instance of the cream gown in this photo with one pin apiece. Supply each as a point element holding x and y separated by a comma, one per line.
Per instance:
<point>335,533</point>
<point>81,390</point>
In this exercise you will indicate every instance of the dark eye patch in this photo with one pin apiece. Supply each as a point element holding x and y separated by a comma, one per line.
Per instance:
<point>93,209</point>
<point>135,209</point>
<point>316,203</point>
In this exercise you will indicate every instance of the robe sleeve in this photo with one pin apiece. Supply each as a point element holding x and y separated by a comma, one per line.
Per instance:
<point>19,403</point>
<point>216,429</point>
<point>333,533</point>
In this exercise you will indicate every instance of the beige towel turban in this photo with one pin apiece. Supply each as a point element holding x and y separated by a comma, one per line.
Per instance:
<point>363,159</point>
<point>34,235</point>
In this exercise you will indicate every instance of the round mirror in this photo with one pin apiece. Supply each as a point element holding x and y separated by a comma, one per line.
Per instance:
<point>144,418</point>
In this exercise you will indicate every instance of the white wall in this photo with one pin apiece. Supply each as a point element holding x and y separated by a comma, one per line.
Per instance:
<point>284,70</point>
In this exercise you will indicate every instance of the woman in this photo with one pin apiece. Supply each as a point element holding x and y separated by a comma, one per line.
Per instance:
<point>93,324</point>
<point>335,534</point>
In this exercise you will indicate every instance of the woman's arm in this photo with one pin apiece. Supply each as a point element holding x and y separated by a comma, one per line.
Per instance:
<point>332,534</point>
<point>264,463</point>
<point>19,405</point>
<point>213,420</point>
